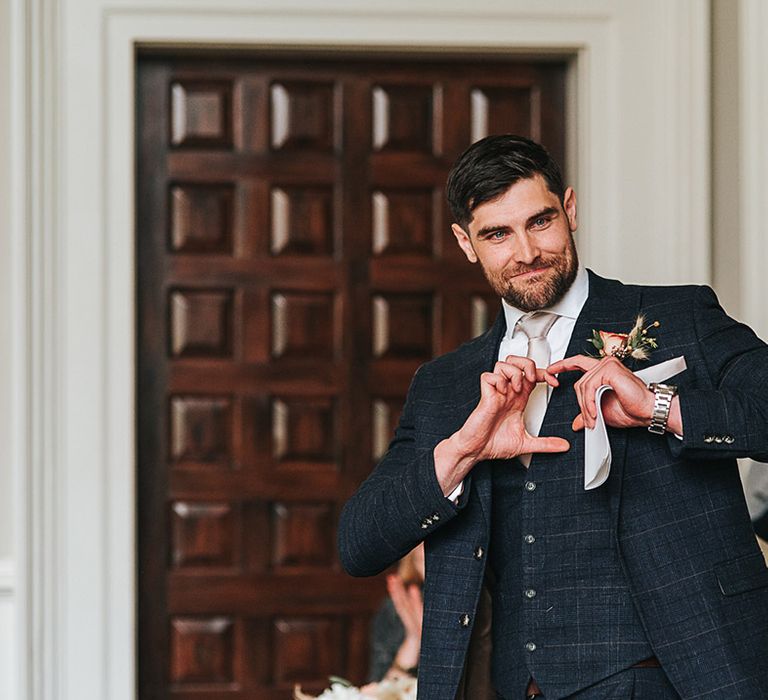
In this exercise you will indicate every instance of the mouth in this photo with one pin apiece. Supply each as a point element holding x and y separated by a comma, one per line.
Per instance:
<point>531,273</point>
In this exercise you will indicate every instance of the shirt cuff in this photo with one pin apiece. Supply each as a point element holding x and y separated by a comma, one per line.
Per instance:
<point>453,496</point>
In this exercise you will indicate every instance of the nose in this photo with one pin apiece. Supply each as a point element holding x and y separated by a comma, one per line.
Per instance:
<point>527,250</point>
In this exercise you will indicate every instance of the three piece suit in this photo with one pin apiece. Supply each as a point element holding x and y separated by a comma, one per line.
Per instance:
<point>661,559</point>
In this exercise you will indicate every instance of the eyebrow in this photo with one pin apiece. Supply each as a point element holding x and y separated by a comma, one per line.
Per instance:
<point>488,230</point>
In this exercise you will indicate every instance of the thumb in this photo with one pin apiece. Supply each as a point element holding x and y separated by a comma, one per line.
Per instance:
<point>578,423</point>
<point>547,444</point>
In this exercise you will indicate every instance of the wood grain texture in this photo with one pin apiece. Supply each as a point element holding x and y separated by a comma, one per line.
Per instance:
<point>295,266</point>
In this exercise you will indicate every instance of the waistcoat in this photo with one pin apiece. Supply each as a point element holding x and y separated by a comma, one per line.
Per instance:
<point>562,609</point>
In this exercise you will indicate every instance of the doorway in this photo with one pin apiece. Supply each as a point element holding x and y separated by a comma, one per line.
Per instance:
<point>295,266</point>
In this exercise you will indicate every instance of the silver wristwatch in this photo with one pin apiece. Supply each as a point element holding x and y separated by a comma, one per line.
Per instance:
<point>663,393</point>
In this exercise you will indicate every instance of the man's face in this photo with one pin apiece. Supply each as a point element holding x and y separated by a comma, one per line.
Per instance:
<point>523,241</point>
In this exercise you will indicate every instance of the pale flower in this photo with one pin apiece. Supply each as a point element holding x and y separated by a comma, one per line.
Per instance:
<point>389,689</point>
<point>613,343</point>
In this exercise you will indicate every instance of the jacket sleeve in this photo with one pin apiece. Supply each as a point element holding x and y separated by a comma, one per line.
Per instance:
<point>398,505</point>
<point>729,418</point>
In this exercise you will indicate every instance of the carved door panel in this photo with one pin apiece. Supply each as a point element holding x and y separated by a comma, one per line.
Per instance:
<point>295,266</point>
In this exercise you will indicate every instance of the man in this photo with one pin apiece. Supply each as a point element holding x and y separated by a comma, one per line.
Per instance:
<point>649,586</point>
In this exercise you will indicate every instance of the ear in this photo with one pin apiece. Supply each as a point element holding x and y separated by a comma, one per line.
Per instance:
<point>569,204</point>
<point>462,238</point>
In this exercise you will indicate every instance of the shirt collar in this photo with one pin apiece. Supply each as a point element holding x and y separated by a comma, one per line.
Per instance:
<point>569,306</point>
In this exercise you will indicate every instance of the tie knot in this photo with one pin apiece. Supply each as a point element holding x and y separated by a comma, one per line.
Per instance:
<point>537,324</point>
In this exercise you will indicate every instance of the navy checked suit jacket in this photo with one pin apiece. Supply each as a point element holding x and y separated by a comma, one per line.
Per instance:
<point>678,513</point>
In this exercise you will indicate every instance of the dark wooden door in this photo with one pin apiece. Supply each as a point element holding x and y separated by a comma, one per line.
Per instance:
<point>295,266</point>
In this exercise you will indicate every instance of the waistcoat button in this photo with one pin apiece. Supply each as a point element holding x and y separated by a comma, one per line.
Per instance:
<point>479,552</point>
<point>464,620</point>
<point>530,593</point>
<point>530,539</point>
<point>530,486</point>
<point>530,646</point>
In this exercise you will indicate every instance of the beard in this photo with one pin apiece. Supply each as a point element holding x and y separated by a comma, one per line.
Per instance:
<point>542,291</point>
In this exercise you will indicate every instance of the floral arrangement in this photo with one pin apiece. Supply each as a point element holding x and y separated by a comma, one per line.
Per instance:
<point>637,343</point>
<point>400,688</point>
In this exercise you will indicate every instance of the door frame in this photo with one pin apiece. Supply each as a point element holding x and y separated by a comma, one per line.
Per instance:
<point>636,69</point>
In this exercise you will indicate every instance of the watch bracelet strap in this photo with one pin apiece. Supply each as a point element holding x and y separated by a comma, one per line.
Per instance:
<point>662,404</point>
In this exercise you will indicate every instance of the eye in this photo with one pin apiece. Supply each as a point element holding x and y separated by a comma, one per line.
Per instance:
<point>541,222</point>
<point>497,235</point>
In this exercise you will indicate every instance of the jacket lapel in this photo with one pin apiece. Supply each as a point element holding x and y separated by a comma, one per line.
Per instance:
<point>469,367</point>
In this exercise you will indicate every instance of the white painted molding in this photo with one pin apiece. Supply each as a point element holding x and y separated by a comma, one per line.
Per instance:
<point>7,578</point>
<point>74,241</point>
<point>9,649</point>
<point>19,347</point>
<point>754,164</point>
<point>36,353</point>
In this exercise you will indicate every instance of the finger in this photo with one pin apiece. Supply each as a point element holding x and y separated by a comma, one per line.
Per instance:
<point>542,375</point>
<point>569,364</point>
<point>546,444</point>
<point>524,363</point>
<point>578,423</point>
<point>590,391</point>
<point>578,388</point>
<point>406,610</point>
<point>512,373</point>
<point>507,386</point>
<point>415,603</point>
<point>590,383</point>
<point>399,599</point>
<point>394,584</point>
<point>582,388</point>
<point>491,383</point>
<point>414,592</point>
<point>531,372</point>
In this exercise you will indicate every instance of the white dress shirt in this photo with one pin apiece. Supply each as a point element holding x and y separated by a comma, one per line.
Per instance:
<point>515,342</point>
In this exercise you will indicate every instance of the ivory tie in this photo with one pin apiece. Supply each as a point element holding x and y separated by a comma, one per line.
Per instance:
<point>535,326</point>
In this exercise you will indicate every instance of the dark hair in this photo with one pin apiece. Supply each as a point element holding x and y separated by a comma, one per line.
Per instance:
<point>490,166</point>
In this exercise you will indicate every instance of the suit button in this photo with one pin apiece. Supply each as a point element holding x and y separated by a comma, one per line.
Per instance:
<point>464,620</point>
<point>729,439</point>
<point>478,553</point>
<point>435,516</point>
<point>530,485</point>
<point>709,438</point>
<point>424,524</point>
<point>530,646</point>
<point>719,439</point>
<point>530,593</point>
